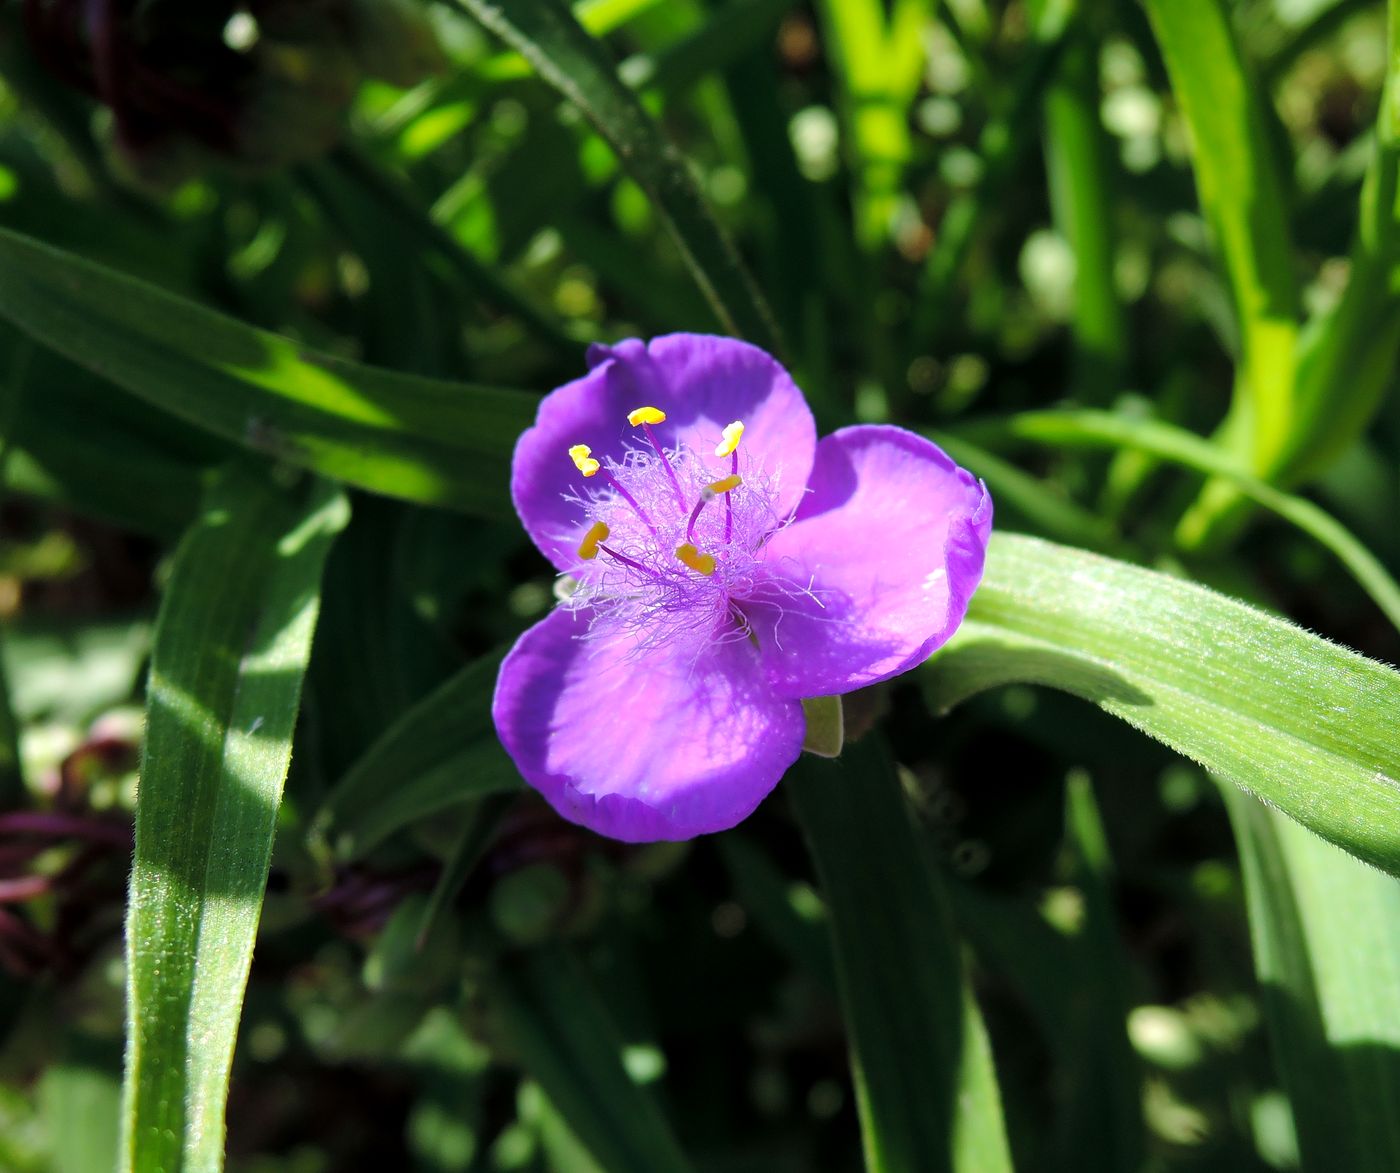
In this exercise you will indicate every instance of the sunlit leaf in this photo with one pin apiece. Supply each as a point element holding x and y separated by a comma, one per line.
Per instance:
<point>419,439</point>
<point>231,648</point>
<point>1302,723</point>
<point>925,1083</point>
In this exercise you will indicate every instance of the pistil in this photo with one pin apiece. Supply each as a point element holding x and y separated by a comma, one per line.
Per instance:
<point>626,561</point>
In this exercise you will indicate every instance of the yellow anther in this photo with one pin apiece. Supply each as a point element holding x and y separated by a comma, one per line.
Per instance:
<point>646,415</point>
<point>724,484</point>
<point>698,562</point>
<point>733,433</point>
<point>588,548</point>
<point>580,454</point>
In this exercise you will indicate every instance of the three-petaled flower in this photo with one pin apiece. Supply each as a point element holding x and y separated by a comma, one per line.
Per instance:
<point>720,565</point>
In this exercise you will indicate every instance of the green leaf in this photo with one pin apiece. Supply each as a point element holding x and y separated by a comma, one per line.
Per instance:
<point>1244,201</point>
<point>1041,504</point>
<point>383,193</point>
<point>80,1096</point>
<point>1002,144</point>
<point>231,647</point>
<point>826,729</point>
<point>1348,354</point>
<point>1302,723</point>
<point>1101,1125</point>
<point>1328,962</point>
<point>1077,159</point>
<point>103,455</point>
<point>557,1026</point>
<point>419,439</point>
<point>1098,429</point>
<point>578,67</point>
<point>879,69</point>
<point>790,914</point>
<point>925,1084</point>
<point>441,752</point>
<point>465,853</point>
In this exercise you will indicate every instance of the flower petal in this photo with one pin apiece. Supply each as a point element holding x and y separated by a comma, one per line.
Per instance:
<point>877,570</point>
<point>702,382</point>
<point>642,746</point>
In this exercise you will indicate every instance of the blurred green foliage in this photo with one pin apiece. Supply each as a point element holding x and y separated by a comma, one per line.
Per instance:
<point>1136,266</point>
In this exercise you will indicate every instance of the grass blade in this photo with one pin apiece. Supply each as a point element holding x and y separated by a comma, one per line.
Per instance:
<point>1244,201</point>
<point>231,648</point>
<point>80,1096</point>
<point>1102,1125</point>
<point>442,752</point>
<point>1001,148</point>
<point>1051,512</point>
<point>557,1025</point>
<point>578,67</point>
<point>791,917</point>
<point>1302,723</point>
<point>1077,158</point>
<point>1347,354</point>
<point>1156,438</point>
<point>879,71</point>
<point>396,205</point>
<point>925,1084</point>
<point>1328,963</point>
<point>419,439</point>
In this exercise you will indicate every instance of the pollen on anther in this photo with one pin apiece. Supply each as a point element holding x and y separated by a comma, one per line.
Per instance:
<point>698,562</point>
<point>724,484</point>
<point>588,548</point>
<point>733,433</point>
<point>581,455</point>
<point>646,415</point>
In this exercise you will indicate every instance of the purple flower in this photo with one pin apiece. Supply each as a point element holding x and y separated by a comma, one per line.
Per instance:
<point>720,564</point>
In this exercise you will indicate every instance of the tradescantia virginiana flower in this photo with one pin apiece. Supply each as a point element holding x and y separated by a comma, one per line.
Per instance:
<point>721,565</point>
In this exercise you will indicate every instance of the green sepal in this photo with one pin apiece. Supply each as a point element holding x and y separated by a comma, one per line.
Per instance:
<point>826,727</point>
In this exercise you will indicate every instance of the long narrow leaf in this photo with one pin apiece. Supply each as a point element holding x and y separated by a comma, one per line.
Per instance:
<point>1081,196</point>
<point>442,752</point>
<point>231,648</point>
<point>419,439</point>
<point>1304,724</point>
<point>1242,196</point>
<point>557,1025</point>
<point>925,1084</point>
<point>1104,429</point>
<point>1101,1127</point>
<point>578,67</point>
<point>879,74</point>
<point>1348,355</point>
<point>1328,962</point>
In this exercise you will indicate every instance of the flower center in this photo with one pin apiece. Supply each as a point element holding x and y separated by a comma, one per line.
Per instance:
<point>672,539</point>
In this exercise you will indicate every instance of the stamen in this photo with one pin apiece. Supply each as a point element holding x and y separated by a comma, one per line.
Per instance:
<point>733,433</point>
<point>698,562</point>
<point>588,548</point>
<point>635,565</point>
<point>694,514</point>
<point>626,496</point>
<point>708,494</point>
<point>581,455</point>
<point>728,503</point>
<point>644,417</point>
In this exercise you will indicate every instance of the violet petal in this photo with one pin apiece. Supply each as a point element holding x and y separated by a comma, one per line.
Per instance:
<point>877,570</point>
<point>642,746</point>
<point>702,382</point>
